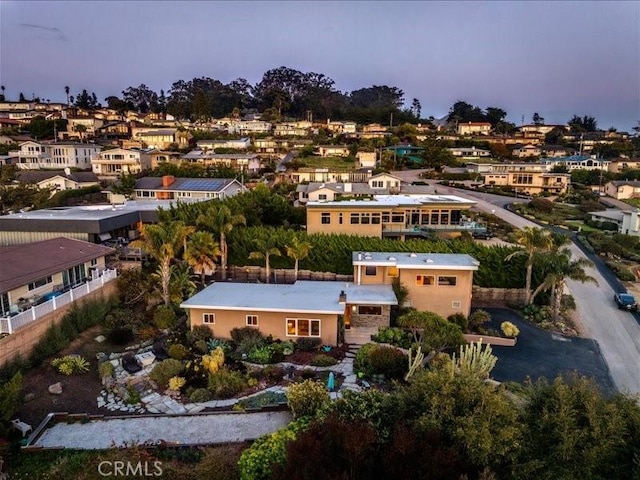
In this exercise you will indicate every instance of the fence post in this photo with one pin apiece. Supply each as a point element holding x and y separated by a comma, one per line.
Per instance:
<point>10,325</point>
<point>55,307</point>
<point>33,313</point>
<point>88,288</point>
<point>71,293</point>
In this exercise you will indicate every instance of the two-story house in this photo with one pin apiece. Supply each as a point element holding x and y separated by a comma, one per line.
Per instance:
<point>474,128</point>
<point>235,144</point>
<point>119,161</point>
<point>333,150</point>
<point>35,155</point>
<point>527,178</point>
<point>383,183</point>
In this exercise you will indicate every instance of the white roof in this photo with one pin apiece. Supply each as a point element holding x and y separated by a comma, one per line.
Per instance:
<point>301,297</point>
<point>422,261</point>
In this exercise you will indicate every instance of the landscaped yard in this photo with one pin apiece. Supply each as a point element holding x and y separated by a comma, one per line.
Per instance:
<point>334,163</point>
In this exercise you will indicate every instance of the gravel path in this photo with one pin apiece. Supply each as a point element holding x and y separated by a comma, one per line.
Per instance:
<point>186,429</point>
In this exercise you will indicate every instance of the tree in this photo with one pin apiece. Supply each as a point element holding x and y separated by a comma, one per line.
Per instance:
<point>21,98</point>
<point>163,242</point>
<point>219,219</point>
<point>583,124</point>
<point>125,185</point>
<point>534,240</point>
<point>115,103</point>
<point>2,87</point>
<point>537,119</point>
<point>563,267</point>
<point>81,129</point>
<point>141,98</point>
<point>86,100</point>
<point>201,253</point>
<point>416,108</point>
<point>66,91</point>
<point>431,330</point>
<point>495,115</point>
<point>265,249</point>
<point>298,250</point>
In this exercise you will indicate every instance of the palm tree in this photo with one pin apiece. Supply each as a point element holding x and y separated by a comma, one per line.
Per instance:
<point>163,242</point>
<point>2,88</point>
<point>265,250</point>
<point>534,240</point>
<point>219,219</point>
<point>298,250</point>
<point>67,90</point>
<point>563,267</point>
<point>201,252</point>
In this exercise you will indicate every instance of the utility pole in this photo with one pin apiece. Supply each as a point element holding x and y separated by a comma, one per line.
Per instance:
<point>391,121</point>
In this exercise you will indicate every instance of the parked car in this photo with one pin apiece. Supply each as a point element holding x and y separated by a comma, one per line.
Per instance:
<point>626,301</point>
<point>483,234</point>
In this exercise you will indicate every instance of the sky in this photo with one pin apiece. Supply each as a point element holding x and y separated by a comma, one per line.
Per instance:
<point>554,58</point>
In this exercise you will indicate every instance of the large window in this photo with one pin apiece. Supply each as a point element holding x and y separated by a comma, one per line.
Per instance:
<point>40,283</point>
<point>369,310</point>
<point>447,281</point>
<point>325,218</point>
<point>302,327</point>
<point>370,271</point>
<point>423,280</point>
<point>252,320</point>
<point>392,272</point>
<point>355,218</point>
<point>209,318</point>
<point>74,276</point>
<point>5,306</point>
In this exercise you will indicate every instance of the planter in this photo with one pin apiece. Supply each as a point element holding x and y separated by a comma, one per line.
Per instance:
<point>490,340</point>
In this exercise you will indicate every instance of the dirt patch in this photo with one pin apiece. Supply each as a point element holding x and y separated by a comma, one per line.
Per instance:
<point>304,358</point>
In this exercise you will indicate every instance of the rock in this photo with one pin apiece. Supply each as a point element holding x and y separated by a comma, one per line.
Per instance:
<point>29,396</point>
<point>115,362</point>
<point>101,356</point>
<point>56,388</point>
<point>100,338</point>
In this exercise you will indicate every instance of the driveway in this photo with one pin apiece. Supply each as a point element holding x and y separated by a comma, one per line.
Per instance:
<point>540,353</point>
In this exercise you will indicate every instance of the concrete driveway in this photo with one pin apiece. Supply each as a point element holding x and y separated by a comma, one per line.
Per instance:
<point>540,353</point>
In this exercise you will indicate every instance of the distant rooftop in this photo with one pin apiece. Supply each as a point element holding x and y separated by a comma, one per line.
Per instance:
<point>451,261</point>
<point>185,184</point>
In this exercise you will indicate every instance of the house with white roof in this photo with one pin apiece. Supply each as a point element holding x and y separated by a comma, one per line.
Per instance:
<point>36,155</point>
<point>235,144</point>
<point>119,161</point>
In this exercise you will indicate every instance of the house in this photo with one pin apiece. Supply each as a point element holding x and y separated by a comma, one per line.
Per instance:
<point>58,180</point>
<point>610,216</point>
<point>436,282</point>
<point>294,129</point>
<point>471,153</point>
<point>618,165</point>
<point>383,183</point>
<point>388,216</point>
<point>366,159</point>
<point>31,272</point>
<point>630,224</point>
<point>622,189</point>
<point>81,128</point>
<point>246,162</point>
<point>36,155</point>
<point>577,162</point>
<point>306,309</point>
<point>245,127</point>
<point>160,156</point>
<point>527,179</point>
<point>551,151</point>
<point>332,150</point>
<point>524,151</point>
<point>237,144</point>
<point>169,187</point>
<point>310,174</point>
<point>161,138</point>
<point>119,161</point>
<point>340,128</point>
<point>541,129</point>
<point>472,128</point>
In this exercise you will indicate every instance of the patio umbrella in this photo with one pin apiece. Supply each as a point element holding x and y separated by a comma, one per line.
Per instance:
<point>331,382</point>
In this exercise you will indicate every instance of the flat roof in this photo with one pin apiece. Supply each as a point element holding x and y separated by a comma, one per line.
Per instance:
<point>301,297</point>
<point>396,200</point>
<point>449,261</point>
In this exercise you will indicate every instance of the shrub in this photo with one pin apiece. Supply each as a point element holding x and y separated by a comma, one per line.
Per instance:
<point>70,364</point>
<point>361,361</point>
<point>10,398</point>
<point>273,373</point>
<point>394,336</point>
<point>176,383</point>
<point>199,333</point>
<point>177,351</point>
<point>214,361</point>
<point>307,344</point>
<point>214,343</point>
<point>200,395</point>
<point>478,319</point>
<point>238,335</point>
<point>226,383</point>
<point>164,370</point>
<point>509,329</point>
<point>106,369</point>
<point>261,354</point>
<point>307,398</point>
<point>322,360</point>
<point>288,347</point>
<point>460,320</point>
<point>308,374</point>
<point>164,317</point>
<point>387,361</point>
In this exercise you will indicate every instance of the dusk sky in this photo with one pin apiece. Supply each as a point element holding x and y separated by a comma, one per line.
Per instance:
<point>555,58</point>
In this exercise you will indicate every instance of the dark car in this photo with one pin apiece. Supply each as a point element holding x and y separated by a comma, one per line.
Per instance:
<point>482,234</point>
<point>626,301</point>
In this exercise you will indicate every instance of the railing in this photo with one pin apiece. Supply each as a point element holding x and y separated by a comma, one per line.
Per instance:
<point>13,323</point>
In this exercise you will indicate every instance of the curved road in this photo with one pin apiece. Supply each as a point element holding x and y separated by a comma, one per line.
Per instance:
<point>616,331</point>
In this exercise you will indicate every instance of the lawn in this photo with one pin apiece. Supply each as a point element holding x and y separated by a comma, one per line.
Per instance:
<point>334,163</point>
<point>582,226</point>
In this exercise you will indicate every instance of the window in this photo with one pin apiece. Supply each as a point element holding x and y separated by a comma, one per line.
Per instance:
<point>209,318</point>
<point>322,196</point>
<point>5,306</point>
<point>369,310</point>
<point>456,304</point>
<point>325,218</point>
<point>375,218</point>
<point>365,218</point>
<point>94,262</point>
<point>447,281</point>
<point>40,283</point>
<point>370,271</point>
<point>302,327</point>
<point>252,320</point>
<point>425,280</point>
<point>397,218</point>
<point>340,218</point>
<point>355,218</point>
<point>392,271</point>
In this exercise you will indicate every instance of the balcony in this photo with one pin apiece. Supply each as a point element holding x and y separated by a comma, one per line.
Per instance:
<point>53,301</point>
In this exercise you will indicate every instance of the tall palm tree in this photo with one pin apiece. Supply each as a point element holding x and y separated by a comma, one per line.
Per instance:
<point>2,88</point>
<point>163,242</point>
<point>219,219</point>
<point>298,250</point>
<point>201,252</point>
<point>67,90</point>
<point>563,267</point>
<point>534,240</point>
<point>266,250</point>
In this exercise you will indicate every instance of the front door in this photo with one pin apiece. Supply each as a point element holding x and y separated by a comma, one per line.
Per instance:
<point>347,317</point>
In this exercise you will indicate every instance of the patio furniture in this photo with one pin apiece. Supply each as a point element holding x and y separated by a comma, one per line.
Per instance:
<point>24,428</point>
<point>130,364</point>
<point>159,351</point>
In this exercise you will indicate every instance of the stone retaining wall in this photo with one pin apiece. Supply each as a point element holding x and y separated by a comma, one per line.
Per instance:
<point>497,297</point>
<point>252,274</point>
<point>359,321</point>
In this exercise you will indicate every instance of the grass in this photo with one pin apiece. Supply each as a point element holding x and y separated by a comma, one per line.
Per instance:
<point>334,163</point>
<point>583,227</point>
<point>632,201</point>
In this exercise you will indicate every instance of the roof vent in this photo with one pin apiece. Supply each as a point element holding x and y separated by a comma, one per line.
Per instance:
<point>392,258</point>
<point>413,255</point>
<point>428,260</point>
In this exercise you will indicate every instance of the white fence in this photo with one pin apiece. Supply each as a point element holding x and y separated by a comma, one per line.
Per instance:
<point>11,324</point>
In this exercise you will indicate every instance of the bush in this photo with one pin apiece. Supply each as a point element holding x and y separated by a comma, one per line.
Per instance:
<point>307,398</point>
<point>239,335</point>
<point>226,383</point>
<point>164,317</point>
<point>509,329</point>
<point>200,395</point>
<point>106,370</point>
<point>460,320</point>
<point>261,354</point>
<point>214,343</point>
<point>387,361</point>
<point>70,364</point>
<point>214,361</point>
<point>394,336</point>
<point>307,344</point>
<point>164,370</point>
<point>177,351</point>
<point>478,319</point>
<point>361,361</point>
<point>199,333</point>
<point>10,398</point>
<point>273,373</point>
<point>288,348</point>
<point>322,360</point>
<point>176,383</point>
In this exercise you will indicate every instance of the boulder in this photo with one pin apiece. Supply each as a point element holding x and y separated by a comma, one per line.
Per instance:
<point>56,388</point>
<point>29,396</point>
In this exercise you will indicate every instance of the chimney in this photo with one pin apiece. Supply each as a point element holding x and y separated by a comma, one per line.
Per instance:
<point>347,187</point>
<point>342,298</point>
<point>167,180</point>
